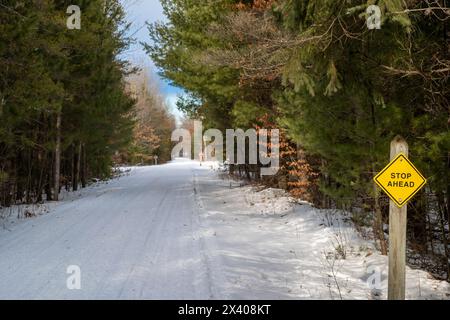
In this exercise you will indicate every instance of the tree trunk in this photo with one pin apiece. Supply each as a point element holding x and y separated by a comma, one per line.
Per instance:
<point>442,222</point>
<point>49,178</point>
<point>57,165</point>
<point>378,222</point>
<point>84,166</point>
<point>417,221</point>
<point>76,167</point>
<point>448,193</point>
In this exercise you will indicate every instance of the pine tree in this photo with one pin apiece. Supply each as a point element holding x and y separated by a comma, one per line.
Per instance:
<point>64,107</point>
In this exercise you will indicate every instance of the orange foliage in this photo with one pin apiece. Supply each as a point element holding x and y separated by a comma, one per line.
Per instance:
<point>302,178</point>
<point>256,4</point>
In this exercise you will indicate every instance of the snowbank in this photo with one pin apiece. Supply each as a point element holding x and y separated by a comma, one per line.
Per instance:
<point>268,246</point>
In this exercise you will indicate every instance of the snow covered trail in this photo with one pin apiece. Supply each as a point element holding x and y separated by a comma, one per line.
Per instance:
<point>135,237</point>
<point>178,231</point>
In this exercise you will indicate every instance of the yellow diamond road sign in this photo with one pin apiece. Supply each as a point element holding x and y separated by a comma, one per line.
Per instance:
<point>400,180</point>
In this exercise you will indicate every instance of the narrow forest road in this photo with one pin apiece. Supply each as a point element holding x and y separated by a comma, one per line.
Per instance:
<point>179,231</point>
<point>135,237</point>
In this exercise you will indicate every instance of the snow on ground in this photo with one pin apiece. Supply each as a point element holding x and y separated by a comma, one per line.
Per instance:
<point>17,214</point>
<point>178,231</point>
<point>268,246</point>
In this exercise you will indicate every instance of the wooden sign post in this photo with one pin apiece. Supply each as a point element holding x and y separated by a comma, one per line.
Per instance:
<point>397,235</point>
<point>400,180</point>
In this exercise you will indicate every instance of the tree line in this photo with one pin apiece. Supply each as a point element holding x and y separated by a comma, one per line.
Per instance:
<point>65,110</point>
<point>151,140</point>
<point>339,92</point>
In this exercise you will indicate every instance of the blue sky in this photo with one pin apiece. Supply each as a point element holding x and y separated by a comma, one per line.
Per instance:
<point>140,11</point>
